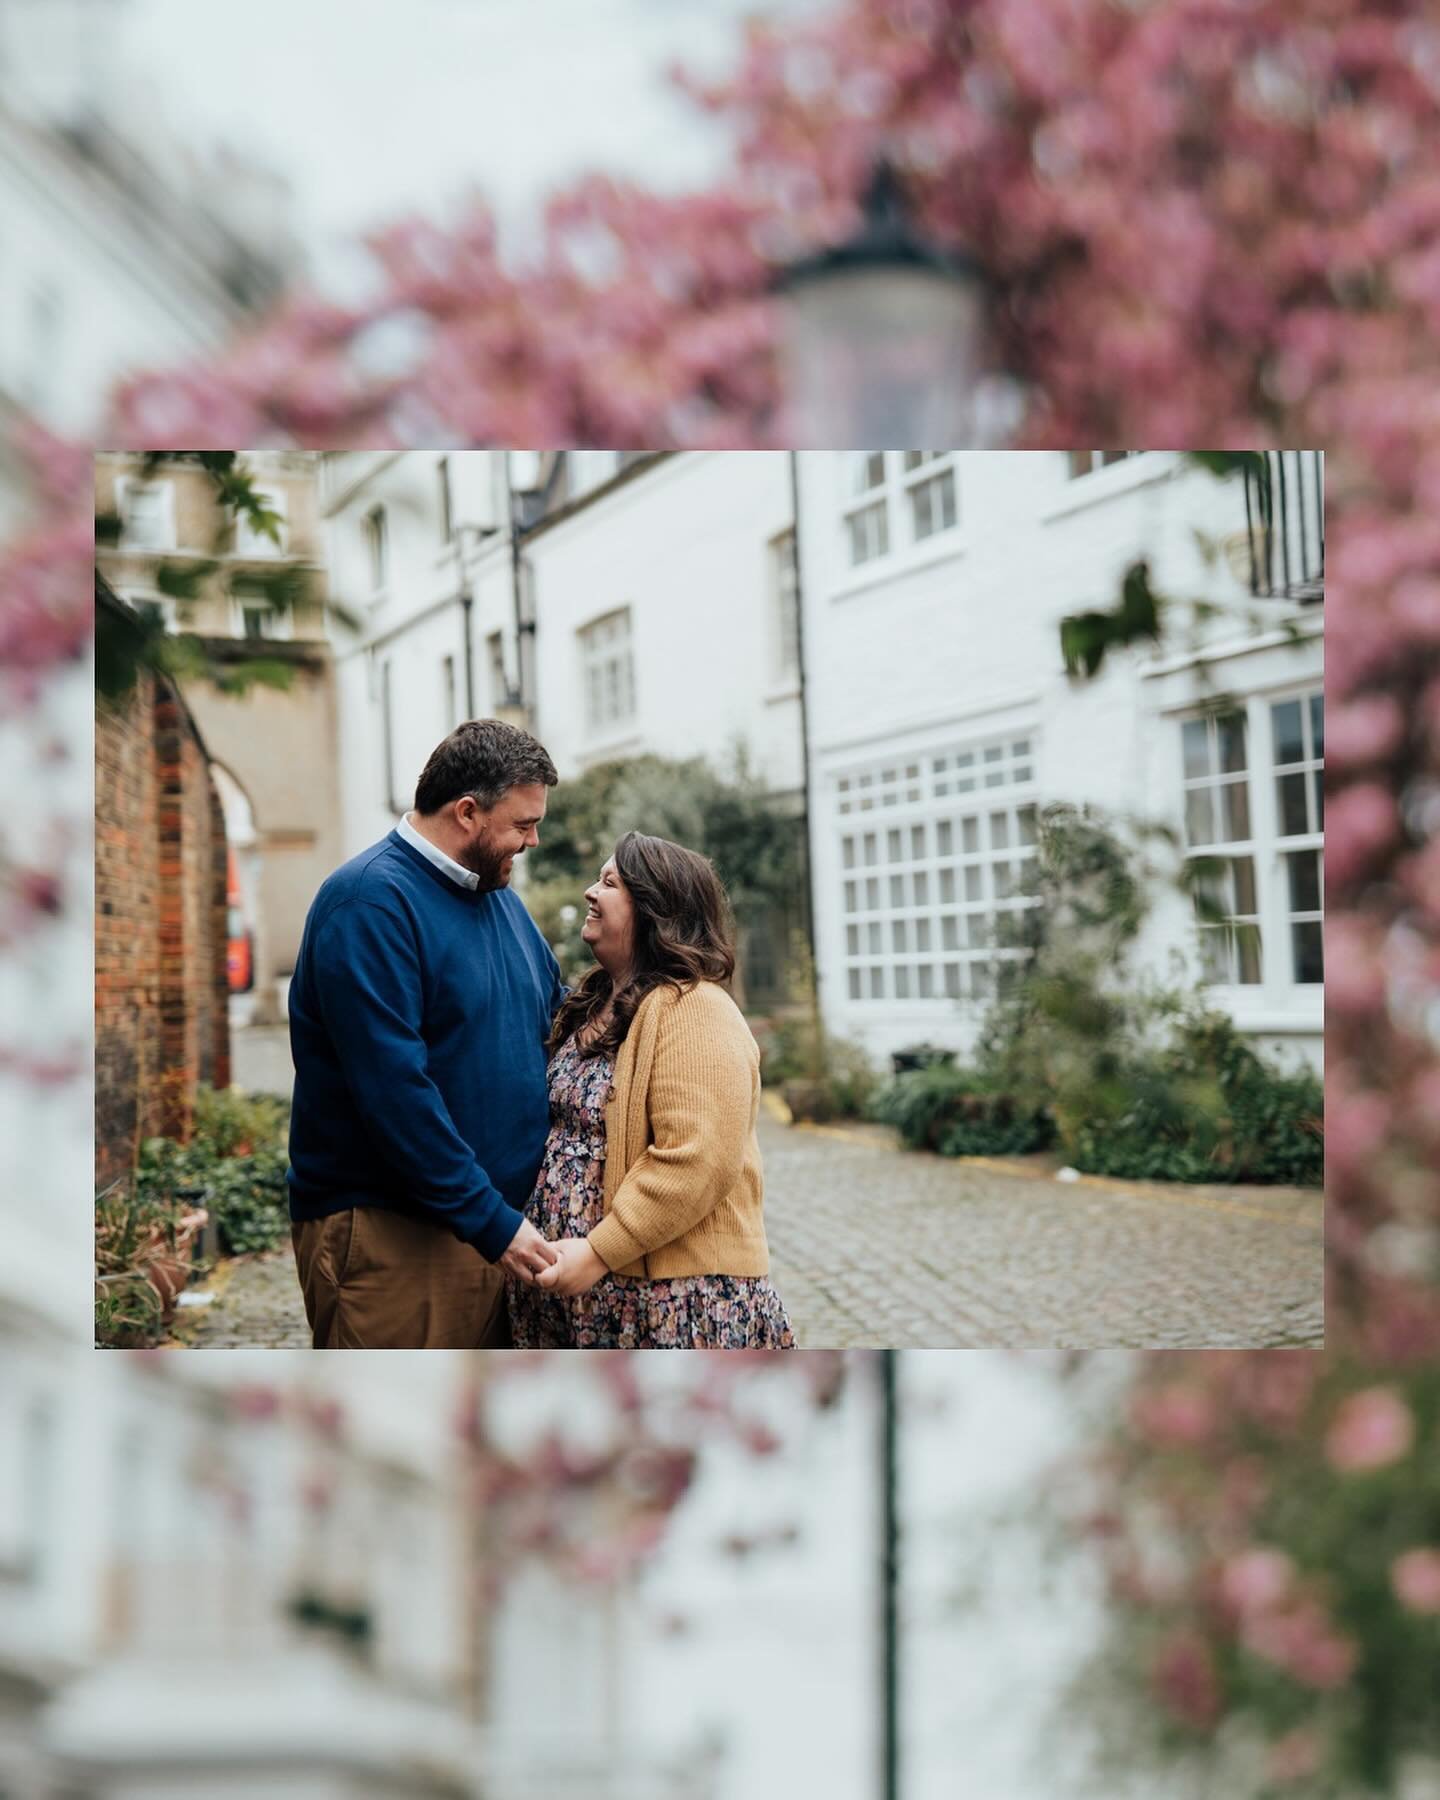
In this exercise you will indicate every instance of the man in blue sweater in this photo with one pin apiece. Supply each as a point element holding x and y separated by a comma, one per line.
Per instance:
<point>419,1008</point>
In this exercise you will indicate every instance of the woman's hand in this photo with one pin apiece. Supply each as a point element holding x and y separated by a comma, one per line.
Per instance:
<point>576,1269</point>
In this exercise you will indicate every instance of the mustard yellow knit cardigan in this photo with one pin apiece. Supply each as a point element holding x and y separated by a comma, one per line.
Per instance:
<point>683,1186</point>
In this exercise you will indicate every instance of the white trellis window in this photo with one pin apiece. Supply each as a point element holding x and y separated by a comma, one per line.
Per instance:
<point>937,851</point>
<point>1297,728</point>
<point>867,512</point>
<point>1254,808</point>
<point>1217,829</point>
<point>147,514</point>
<point>608,672</point>
<point>929,481</point>
<point>896,500</point>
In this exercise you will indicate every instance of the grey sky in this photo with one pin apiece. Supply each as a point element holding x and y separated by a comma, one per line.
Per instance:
<point>373,107</point>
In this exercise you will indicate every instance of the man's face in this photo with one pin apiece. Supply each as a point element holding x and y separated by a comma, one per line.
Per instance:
<point>497,837</point>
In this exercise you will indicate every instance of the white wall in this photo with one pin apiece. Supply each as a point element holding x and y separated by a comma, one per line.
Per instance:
<point>685,546</point>
<point>413,621</point>
<point>955,640</point>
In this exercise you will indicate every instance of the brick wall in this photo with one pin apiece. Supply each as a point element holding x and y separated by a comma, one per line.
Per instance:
<point>161,1000</point>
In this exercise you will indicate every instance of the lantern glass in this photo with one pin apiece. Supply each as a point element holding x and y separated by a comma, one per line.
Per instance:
<point>883,356</point>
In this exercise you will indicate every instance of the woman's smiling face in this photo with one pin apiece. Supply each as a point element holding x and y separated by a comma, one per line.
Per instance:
<point>609,927</point>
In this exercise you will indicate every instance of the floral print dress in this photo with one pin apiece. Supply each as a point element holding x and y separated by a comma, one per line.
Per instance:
<point>622,1312</point>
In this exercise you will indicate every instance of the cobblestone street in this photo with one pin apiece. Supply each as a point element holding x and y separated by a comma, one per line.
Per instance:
<point>874,1246</point>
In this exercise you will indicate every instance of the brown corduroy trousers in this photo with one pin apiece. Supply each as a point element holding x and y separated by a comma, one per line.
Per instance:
<point>378,1280</point>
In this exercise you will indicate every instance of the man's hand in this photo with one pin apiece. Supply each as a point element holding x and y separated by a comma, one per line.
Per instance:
<point>575,1270</point>
<point>527,1255</point>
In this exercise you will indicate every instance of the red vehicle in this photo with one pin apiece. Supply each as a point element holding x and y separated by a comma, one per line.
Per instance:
<point>239,946</point>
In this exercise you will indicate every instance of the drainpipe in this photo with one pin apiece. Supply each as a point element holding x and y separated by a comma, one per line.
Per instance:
<point>805,784</point>
<point>522,625</point>
<point>467,607</point>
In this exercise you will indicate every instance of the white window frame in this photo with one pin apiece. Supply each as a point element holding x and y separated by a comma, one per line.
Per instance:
<point>375,542</point>
<point>1267,847</point>
<point>932,847</point>
<point>125,486</point>
<point>888,502</point>
<point>784,607</point>
<point>254,545</point>
<point>607,672</point>
<point>279,626</point>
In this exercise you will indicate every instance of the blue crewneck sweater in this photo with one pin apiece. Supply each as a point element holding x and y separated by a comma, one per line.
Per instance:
<point>418,1016</point>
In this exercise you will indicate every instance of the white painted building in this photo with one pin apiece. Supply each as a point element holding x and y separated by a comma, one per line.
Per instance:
<point>661,587</point>
<point>122,249</point>
<point>940,718</point>
<point>419,552</point>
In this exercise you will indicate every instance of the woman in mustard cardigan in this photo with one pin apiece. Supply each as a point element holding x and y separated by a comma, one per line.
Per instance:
<point>651,1185</point>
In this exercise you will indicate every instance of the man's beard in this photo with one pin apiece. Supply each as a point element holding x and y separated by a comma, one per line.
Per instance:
<point>488,863</point>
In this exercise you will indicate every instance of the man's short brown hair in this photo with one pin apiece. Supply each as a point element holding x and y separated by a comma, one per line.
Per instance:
<point>484,758</point>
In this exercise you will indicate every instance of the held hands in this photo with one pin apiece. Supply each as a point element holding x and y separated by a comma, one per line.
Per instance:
<point>527,1255</point>
<point>575,1270</point>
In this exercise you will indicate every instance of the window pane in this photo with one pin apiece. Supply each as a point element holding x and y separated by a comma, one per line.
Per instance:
<point>1025,818</point>
<point>852,904</point>
<point>869,470</point>
<point>922,889</point>
<point>952,981</point>
<point>1293,819</point>
<point>1304,881</point>
<point>1235,802</point>
<point>847,852</point>
<point>922,934</point>
<point>871,849</point>
<point>902,983</point>
<point>1317,724</point>
<point>852,940</point>
<point>899,936</point>
<point>917,842</point>
<point>873,941</point>
<point>872,895</point>
<point>1308,950</point>
<point>1317,796</point>
<point>897,890</point>
<point>976,934</point>
<point>970,834</point>
<point>950,932</point>
<point>892,846</point>
<point>1289,743</point>
<point>1247,947</point>
<point>1195,737</point>
<point>854,984</point>
<point>927,982</point>
<point>1199,816</point>
<point>1242,872</point>
<point>947,886</point>
<point>944,838</point>
<point>1230,734</point>
<point>999,831</point>
<point>877,983</point>
<point>973,879</point>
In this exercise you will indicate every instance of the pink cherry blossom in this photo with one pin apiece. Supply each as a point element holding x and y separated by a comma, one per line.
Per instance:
<point>1255,1580</point>
<point>1415,1577</point>
<point>1370,1430</point>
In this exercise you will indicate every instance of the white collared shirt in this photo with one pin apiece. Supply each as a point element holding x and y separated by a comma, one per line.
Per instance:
<point>461,876</point>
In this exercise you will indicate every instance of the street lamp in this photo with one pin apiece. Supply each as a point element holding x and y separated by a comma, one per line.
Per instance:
<point>882,337</point>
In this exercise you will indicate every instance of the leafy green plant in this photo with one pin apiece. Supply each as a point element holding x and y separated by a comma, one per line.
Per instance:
<point>959,1112</point>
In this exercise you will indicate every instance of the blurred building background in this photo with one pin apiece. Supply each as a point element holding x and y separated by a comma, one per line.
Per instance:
<point>127,244</point>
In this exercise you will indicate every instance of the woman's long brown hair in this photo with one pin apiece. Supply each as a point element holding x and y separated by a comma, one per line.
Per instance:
<point>684,933</point>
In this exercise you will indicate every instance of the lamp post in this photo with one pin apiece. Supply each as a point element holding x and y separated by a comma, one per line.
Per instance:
<point>882,338</point>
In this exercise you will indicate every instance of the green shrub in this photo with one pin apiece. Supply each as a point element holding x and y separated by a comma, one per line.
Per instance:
<point>1206,1108</point>
<point>959,1112</point>
<point>234,1166</point>
<point>230,1122</point>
